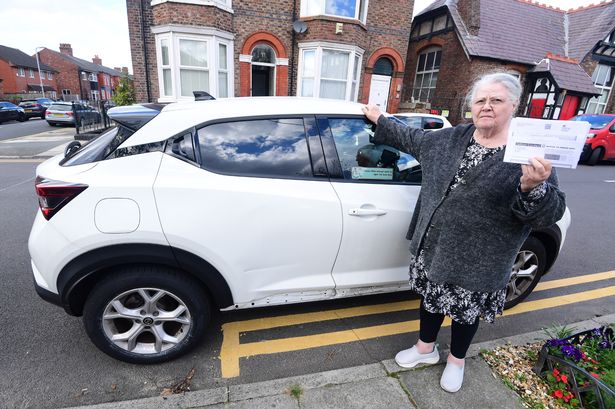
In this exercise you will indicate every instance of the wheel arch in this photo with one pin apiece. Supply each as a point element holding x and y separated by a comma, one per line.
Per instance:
<point>550,238</point>
<point>79,276</point>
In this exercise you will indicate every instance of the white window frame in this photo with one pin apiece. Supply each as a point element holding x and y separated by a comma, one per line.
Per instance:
<point>95,95</point>
<point>226,5</point>
<point>273,65</point>
<point>213,37</point>
<point>92,77</point>
<point>431,89</point>
<point>317,8</point>
<point>49,75</point>
<point>84,76</point>
<point>318,48</point>
<point>21,72</point>
<point>31,73</point>
<point>594,106</point>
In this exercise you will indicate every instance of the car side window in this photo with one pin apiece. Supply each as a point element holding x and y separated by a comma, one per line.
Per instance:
<point>363,161</point>
<point>182,146</point>
<point>432,123</point>
<point>275,147</point>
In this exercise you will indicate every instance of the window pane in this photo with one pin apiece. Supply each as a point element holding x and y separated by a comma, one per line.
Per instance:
<point>308,63</point>
<point>334,64</point>
<point>609,77</point>
<point>166,79</point>
<point>344,8</point>
<point>307,87</point>
<point>193,80</point>
<point>437,62</point>
<point>332,89</point>
<point>425,28</point>
<point>434,80</point>
<point>421,66</point>
<point>263,53</point>
<point>426,80</point>
<point>275,147</point>
<point>222,85</point>
<point>419,81</point>
<point>193,53</point>
<point>222,61</point>
<point>362,160</point>
<point>439,23</point>
<point>164,47</point>
<point>430,59</point>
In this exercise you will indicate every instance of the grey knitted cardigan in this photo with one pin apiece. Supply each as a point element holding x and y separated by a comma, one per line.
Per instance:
<point>476,231</point>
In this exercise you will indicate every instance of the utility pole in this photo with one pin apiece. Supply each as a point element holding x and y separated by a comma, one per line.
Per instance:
<point>40,77</point>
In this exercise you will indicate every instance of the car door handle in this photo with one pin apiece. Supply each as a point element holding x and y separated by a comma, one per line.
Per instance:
<point>366,212</point>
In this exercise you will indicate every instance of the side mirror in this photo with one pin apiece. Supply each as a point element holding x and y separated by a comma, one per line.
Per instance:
<point>72,148</point>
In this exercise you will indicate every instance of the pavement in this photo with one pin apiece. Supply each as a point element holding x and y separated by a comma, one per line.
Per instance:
<point>382,385</point>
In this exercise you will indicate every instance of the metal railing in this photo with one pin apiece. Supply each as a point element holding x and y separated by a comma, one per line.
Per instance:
<point>91,116</point>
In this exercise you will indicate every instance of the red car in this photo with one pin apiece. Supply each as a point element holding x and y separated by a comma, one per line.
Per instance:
<point>600,143</point>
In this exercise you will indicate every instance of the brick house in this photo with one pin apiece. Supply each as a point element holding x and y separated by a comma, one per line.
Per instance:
<point>20,78</point>
<point>565,59</point>
<point>346,49</point>
<point>79,79</point>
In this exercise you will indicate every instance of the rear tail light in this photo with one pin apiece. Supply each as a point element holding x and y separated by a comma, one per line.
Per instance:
<point>69,113</point>
<point>54,195</point>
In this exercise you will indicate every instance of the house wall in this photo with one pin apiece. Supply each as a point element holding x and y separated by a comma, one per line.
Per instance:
<point>68,75</point>
<point>385,33</point>
<point>589,65</point>
<point>14,84</point>
<point>7,73</point>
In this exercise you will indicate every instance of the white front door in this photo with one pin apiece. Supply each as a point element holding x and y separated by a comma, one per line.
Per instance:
<point>379,91</point>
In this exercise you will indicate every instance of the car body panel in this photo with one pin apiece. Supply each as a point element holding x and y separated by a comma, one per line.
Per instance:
<point>602,137</point>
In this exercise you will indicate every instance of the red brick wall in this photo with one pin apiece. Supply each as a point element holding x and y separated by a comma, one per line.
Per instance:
<point>7,73</point>
<point>68,75</point>
<point>388,26</point>
<point>14,84</point>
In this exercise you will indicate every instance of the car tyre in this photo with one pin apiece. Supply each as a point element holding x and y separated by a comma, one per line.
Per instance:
<point>22,117</point>
<point>51,123</point>
<point>595,156</point>
<point>146,315</point>
<point>528,268</point>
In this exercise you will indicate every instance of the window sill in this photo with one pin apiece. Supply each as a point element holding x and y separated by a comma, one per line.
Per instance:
<point>336,20</point>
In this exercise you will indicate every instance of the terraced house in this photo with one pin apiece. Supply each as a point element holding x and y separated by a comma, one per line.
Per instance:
<point>20,77</point>
<point>345,49</point>
<point>564,58</point>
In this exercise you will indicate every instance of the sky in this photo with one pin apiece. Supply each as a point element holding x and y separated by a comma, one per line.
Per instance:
<point>99,27</point>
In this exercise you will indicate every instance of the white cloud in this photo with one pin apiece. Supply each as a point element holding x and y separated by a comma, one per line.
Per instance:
<point>92,27</point>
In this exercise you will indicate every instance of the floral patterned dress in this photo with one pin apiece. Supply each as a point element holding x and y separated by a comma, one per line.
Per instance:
<point>462,305</point>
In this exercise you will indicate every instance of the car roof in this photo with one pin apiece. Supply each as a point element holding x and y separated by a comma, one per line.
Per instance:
<point>179,116</point>
<point>419,114</point>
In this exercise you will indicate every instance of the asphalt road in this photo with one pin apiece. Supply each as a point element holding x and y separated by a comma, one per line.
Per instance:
<point>48,361</point>
<point>32,138</point>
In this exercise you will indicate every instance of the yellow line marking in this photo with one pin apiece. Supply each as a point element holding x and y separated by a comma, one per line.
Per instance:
<point>231,350</point>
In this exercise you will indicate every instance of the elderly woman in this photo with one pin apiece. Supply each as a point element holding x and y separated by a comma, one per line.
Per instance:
<point>473,214</point>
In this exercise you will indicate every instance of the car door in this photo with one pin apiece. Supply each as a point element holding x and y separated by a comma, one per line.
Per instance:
<point>610,142</point>
<point>378,187</point>
<point>248,200</point>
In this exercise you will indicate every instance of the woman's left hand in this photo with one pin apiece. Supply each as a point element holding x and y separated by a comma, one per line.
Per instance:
<point>535,173</point>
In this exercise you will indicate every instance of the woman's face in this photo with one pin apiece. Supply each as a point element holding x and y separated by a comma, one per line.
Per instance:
<point>492,108</point>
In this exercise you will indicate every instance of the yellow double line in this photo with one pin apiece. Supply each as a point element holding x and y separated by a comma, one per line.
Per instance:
<point>232,350</point>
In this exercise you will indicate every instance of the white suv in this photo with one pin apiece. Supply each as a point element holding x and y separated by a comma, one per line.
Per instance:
<point>228,204</point>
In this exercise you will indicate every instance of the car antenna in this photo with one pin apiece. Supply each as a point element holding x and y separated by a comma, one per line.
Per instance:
<point>202,96</point>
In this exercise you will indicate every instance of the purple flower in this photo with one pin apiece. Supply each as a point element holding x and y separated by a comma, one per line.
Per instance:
<point>572,352</point>
<point>604,345</point>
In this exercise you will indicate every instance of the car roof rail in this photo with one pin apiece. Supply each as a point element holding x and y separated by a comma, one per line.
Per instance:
<point>202,96</point>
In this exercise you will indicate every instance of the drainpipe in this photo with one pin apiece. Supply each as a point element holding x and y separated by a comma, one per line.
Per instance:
<point>80,87</point>
<point>292,51</point>
<point>147,84</point>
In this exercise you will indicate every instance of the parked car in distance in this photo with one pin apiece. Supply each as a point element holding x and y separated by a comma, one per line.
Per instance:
<point>600,142</point>
<point>35,107</point>
<point>425,121</point>
<point>63,113</point>
<point>10,111</point>
<point>185,209</point>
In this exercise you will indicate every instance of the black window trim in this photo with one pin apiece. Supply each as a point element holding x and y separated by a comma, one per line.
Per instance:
<point>329,141</point>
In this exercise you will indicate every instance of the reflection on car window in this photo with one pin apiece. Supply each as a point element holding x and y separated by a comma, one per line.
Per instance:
<point>361,160</point>
<point>433,123</point>
<point>270,147</point>
<point>413,121</point>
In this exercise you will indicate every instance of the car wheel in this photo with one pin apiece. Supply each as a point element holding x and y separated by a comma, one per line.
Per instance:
<point>22,117</point>
<point>146,315</point>
<point>595,156</point>
<point>51,123</point>
<point>526,271</point>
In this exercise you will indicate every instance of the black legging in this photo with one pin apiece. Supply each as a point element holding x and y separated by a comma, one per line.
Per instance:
<point>461,334</point>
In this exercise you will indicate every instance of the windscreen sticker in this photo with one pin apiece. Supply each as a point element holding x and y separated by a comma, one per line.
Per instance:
<point>372,173</point>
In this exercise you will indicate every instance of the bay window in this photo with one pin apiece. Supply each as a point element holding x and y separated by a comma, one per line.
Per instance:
<point>329,71</point>
<point>603,80</point>
<point>353,9</point>
<point>193,59</point>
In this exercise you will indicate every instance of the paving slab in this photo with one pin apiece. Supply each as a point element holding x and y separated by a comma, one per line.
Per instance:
<point>277,402</point>
<point>480,388</point>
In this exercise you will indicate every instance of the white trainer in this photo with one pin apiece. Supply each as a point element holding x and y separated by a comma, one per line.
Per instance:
<point>452,377</point>
<point>409,358</point>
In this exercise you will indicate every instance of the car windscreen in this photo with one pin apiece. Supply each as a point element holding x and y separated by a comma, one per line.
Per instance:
<point>100,148</point>
<point>595,121</point>
<point>412,121</point>
<point>60,107</point>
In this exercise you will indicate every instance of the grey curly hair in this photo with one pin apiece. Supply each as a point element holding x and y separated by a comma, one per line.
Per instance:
<point>509,81</point>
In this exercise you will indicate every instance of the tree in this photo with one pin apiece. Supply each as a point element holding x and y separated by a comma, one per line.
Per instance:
<point>124,93</point>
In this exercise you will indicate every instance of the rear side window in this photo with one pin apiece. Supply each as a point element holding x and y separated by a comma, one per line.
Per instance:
<point>432,123</point>
<point>274,147</point>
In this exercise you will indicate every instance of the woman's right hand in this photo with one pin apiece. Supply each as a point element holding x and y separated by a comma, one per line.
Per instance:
<point>372,112</point>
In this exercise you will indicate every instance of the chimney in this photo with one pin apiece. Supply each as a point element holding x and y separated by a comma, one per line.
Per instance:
<point>470,13</point>
<point>97,60</point>
<point>65,48</point>
<point>125,70</point>
<point>117,68</point>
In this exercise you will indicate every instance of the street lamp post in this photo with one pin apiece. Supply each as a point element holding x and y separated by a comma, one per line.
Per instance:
<point>40,77</point>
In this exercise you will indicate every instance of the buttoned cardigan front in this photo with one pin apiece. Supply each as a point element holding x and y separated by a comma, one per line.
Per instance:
<point>477,229</point>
